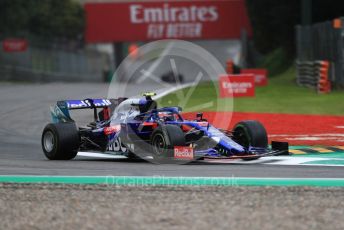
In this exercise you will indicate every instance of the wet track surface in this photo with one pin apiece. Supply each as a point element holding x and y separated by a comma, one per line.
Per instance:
<point>25,111</point>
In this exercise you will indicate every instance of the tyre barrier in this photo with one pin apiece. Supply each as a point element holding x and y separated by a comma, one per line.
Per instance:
<point>229,66</point>
<point>314,74</point>
<point>324,85</point>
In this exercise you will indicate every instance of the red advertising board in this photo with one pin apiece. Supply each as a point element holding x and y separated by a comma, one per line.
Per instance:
<point>152,20</point>
<point>237,85</point>
<point>14,45</point>
<point>260,75</point>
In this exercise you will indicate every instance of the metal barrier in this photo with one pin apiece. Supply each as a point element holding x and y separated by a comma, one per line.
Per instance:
<point>54,64</point>
<point>321,41</point>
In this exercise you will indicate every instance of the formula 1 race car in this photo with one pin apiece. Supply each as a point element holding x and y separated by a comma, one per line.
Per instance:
<point>135,127</point>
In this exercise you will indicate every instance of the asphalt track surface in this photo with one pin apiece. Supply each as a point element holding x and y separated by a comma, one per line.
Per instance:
<point>25,111</point>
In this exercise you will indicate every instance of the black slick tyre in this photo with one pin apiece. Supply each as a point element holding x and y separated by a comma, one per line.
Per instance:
<point>60,141</point>
<point>250,133</point>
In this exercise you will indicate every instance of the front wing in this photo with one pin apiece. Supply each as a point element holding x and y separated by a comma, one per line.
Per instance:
<point>277,148</point>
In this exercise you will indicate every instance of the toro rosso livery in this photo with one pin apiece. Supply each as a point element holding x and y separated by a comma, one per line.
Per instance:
<point>135,127</point>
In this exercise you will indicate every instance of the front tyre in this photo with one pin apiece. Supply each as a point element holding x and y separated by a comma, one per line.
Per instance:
<point>250,133</point>
<point>60,141</point>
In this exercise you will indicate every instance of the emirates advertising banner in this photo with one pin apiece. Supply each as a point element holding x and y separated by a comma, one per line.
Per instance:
<point>237,85</point>
<point>14,45</point>
<point>153,20</point>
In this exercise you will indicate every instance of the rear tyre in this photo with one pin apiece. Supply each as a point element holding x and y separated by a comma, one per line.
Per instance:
<point>164,139</point>
<point>60,141</point>
<point>250,133</point>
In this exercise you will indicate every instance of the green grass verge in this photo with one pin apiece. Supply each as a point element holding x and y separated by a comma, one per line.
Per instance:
<point>276,62</point>
<point>282,95</point>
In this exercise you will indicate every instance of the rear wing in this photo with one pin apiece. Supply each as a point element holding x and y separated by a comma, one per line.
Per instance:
<point>86,103</point>
<point>60,112</point>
